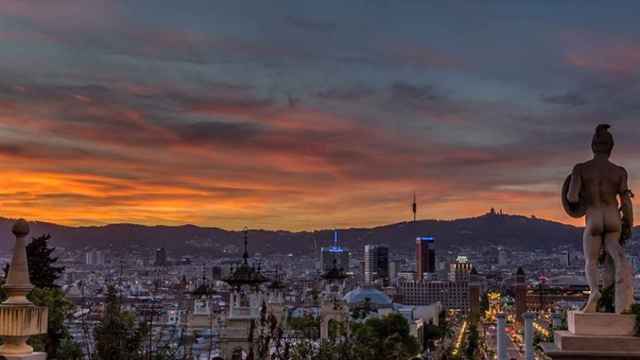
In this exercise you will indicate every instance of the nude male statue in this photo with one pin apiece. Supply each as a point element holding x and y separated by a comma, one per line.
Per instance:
<point>593,190</point>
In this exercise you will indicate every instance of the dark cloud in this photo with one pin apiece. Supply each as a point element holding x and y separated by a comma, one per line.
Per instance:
<point>309,24</point>
<point>569,99</point>
<point>41,150</point>
<point>351,93</point>
<point>218,132</point>
<point>226,105</point>
<point>401,91</point>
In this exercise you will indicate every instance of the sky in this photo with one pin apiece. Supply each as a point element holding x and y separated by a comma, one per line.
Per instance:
<point>307,114</point>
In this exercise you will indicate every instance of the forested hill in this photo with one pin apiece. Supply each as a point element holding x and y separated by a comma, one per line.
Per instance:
<point>489,229</point>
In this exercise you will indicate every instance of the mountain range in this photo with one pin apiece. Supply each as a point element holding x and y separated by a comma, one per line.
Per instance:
<point>491,229</point>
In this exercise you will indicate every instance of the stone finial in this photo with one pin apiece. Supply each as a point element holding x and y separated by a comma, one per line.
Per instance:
<point>18,284</point>
<point>20,228</point>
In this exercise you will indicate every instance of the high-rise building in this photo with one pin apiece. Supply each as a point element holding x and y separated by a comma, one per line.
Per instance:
<point>161,257</point>
<point>425,256</point>
<point>394,269</point>
<point>475,291</point>
<point>94,258</point>
<point>565,258</point>
<point>460,270</point>
<point>334,253</point>
<point>376,263</point>
<point>99,258</point>
<point>502,257</point>
<point>461,291</point>
<point>451,294</point>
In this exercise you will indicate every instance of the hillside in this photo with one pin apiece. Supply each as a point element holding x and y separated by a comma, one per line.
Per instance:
<point>510,230</point>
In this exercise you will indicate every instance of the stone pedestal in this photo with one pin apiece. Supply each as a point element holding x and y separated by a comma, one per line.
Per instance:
<point>32,356</point>
<point>596,336</point>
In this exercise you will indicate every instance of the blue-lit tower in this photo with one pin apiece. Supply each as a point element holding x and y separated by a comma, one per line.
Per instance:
<point>337,252</point>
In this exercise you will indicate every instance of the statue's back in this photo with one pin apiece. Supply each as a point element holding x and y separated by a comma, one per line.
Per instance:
<point>601,182</point>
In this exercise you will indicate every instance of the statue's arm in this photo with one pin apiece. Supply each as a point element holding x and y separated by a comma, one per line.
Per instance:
<point>626,204</point>
<point>573,195</point>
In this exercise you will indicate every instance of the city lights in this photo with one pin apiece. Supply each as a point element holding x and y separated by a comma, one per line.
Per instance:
<point>458,343</point>
<point>541,329</point>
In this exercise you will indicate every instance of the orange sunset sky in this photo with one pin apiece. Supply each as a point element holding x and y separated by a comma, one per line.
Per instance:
<point>306,116</point>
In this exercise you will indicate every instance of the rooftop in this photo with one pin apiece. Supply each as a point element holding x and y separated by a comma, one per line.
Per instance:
<point>374,296</point>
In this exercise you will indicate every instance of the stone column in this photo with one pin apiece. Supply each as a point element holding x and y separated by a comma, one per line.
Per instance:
<point>528,334</point>
<point>501,336</point>
<point>19,318</point>
<point>556,321</point>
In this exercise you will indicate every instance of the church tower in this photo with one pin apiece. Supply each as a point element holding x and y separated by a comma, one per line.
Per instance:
<point>334,313</point>
<point>236,336</point>
<point>275,299</point>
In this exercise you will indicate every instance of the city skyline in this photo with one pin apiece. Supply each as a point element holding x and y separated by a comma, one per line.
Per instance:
<point>307,116</point>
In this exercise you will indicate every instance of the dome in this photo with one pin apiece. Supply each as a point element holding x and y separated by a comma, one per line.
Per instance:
<point>359,295</point>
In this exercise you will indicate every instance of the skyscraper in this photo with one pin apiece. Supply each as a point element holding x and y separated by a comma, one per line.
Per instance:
<point>425,256</point>
<point>502,257</point>
<point>376,263</point>
<point>94,257</point>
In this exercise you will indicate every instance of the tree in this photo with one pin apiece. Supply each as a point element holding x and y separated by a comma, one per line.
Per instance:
<point>384,338</point>
<point>430,334</point>
<point>3,292</point>
<point>307,326</point>
<point>42,270</point>
<point>484,303</point>
<point>443,323</point>
<point>59,308</point>
<point>69,350</point>
<point>472,340</point>
<point>116,335</point>
<point>376,338</point>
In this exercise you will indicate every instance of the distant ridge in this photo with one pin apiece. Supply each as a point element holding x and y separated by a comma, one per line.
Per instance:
<point>490,229</point>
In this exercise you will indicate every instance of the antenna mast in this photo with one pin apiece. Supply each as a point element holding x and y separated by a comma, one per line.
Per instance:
<point>414,207</point>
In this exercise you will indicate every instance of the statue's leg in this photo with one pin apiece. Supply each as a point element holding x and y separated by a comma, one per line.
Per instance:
<point>609,274</point>
<point>623,273</point>
<point>591,245</point>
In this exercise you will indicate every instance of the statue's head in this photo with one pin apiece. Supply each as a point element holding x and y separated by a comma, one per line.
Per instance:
<point>602,142</point>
